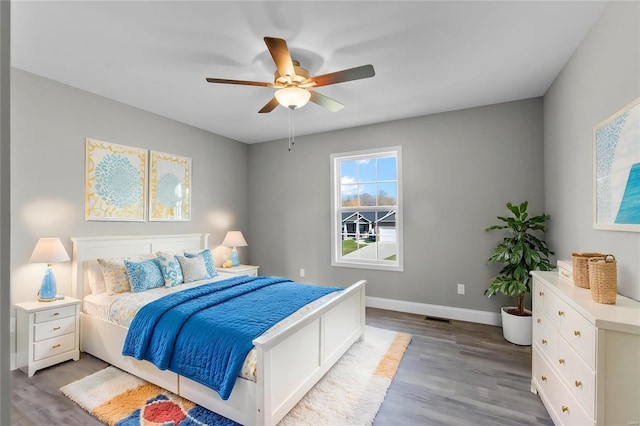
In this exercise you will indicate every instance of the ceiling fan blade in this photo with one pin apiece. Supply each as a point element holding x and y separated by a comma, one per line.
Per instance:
<point>357,73</point>
<point>242,82</point>
<point>281,56</point>
<point>325,101</point>
<point>270,106</point>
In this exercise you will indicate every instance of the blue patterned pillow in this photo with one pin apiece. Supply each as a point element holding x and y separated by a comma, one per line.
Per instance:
<point>144,275</point>
<point>170,267</point>
<point>208,260</point>
<point>193,268</point>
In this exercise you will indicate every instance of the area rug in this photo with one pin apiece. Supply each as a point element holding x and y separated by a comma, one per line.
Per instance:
<point>349,394</point>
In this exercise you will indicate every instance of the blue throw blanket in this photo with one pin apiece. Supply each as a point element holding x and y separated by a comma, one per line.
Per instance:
<point>205,333</point>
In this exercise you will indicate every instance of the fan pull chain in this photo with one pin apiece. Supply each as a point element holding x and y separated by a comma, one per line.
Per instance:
<point>292,137</point>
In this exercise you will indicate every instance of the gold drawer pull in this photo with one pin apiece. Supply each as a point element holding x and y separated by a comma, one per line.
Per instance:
<point>544,378</point>
<point>539,320</point>
<point>565,408</point>
<point>56,346</point>
<point>544,341</point>
<point>561,361</point>
<point>56,314</point>
<point>541,293</point>
<point>56,328</point>
<point>576,332</point>
<point>578,383</point>
<point>561,313</point>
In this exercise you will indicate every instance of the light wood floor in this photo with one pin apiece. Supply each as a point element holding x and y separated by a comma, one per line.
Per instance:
<point>453,373</point>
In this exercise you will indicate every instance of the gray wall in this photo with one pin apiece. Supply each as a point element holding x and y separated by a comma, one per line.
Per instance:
<point>459,170</point>
<point>5,291</point>
<point>602,77</point>
<point>49,124</point>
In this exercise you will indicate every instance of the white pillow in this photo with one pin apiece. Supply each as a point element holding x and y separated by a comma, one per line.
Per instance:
<point>193,268</point>
<point>95,277</point>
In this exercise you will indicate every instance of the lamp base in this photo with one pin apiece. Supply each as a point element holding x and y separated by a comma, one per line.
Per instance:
<point>48,289</point>
<point>235,257</point>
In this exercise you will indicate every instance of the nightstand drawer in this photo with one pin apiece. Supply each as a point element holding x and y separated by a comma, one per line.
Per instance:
<point>49,329</point>
<point>54,314</point>
<point>55,346</point>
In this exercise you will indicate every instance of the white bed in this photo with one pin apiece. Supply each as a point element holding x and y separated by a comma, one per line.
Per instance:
<point>290,360</point>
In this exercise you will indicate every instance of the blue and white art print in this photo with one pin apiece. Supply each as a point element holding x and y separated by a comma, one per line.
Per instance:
<point>115,182</point>
<point>169,187</point>
<point>616,144</point>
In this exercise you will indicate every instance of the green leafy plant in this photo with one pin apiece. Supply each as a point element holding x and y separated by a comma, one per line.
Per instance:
<point>521,252</point>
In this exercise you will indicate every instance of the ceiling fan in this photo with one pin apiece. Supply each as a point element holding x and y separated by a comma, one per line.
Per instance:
<point>295,85</point>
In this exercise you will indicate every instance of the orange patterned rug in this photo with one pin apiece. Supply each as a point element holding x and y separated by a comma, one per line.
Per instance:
<point>349,394</point>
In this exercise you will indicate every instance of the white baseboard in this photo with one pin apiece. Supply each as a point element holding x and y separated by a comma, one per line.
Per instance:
<point>448,312</point>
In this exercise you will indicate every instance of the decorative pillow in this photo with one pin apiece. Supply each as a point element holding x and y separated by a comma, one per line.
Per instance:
<point>144,275</point>
<point>95,277</point>
<point>115,273</point>
<point>193,268</point>
<point>208,260</point>
<point>170,267</point>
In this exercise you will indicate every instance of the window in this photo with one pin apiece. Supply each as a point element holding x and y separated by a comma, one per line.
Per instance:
<point>366,206</point>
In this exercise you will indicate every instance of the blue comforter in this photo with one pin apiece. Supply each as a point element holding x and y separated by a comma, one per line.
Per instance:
<point>205,333</point>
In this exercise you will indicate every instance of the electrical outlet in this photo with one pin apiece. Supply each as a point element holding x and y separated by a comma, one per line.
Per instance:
<point>460,288</point>
<point>302,272</point>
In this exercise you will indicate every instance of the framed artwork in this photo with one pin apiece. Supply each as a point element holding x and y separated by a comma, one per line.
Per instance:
<point>169,187</point>
<point>115,182</point>
<point>616,171</point>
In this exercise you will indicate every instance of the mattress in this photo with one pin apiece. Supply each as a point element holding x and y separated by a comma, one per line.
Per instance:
<point>121,308</point>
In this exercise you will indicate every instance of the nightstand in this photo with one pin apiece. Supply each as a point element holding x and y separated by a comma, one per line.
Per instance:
<point>242,270</point>
<point>47,333</point>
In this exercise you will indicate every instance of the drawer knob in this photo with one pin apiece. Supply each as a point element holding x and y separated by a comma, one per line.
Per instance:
<point>541,293</point>
<point>544,341</point>
<point>578,383</point>
<point>576,332</point>
<point>56,314</point>
<point>561,313</point>
<point>56,346</point>
<point>544,378</point>
<point>565,408</point>
<point>539,320</point>
<point>561,361</point>
<point>56,328</point>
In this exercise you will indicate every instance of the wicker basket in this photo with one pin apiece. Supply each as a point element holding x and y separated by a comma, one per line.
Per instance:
<point>580,264</point>
<point>603,279</point>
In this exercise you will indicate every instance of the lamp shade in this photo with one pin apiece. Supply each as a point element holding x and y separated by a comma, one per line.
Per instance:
<point>293,97</point>
<point>234,239</point>
<point>49,250</point>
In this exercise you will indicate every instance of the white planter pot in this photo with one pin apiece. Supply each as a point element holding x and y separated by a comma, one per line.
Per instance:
<point>516,329</point>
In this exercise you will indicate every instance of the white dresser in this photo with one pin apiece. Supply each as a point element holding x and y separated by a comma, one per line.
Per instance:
<point>586,355</point>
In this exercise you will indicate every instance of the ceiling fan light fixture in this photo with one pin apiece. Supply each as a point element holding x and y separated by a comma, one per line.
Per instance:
<point>293,97</point>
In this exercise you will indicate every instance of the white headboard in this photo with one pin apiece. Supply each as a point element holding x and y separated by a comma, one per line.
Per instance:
<point>91,248</point>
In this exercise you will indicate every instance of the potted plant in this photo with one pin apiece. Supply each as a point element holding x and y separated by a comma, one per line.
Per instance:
<point>521,252</point>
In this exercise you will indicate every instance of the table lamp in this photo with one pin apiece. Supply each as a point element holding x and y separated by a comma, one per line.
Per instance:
<point>234,239</point>
<point>48,250</point>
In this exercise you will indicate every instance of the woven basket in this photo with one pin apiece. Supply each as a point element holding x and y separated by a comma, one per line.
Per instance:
<point>603,279</point>
<point>580,265</point>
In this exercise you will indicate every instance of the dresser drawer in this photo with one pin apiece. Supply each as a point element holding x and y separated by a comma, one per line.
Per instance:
<point>53,314</point>
<point>578,376</point>
<point>55,346</point>
<point>49,329</point>
<point>580,334</point>
<point>562,404</point>
<point>546,336</point>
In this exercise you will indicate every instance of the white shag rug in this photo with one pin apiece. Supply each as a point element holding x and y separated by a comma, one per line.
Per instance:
<point>349,394</point>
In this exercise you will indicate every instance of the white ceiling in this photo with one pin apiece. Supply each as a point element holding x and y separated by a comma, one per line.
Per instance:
<point>429,57</point>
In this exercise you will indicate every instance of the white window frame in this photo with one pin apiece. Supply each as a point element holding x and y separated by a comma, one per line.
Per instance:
<point>336,211</point>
